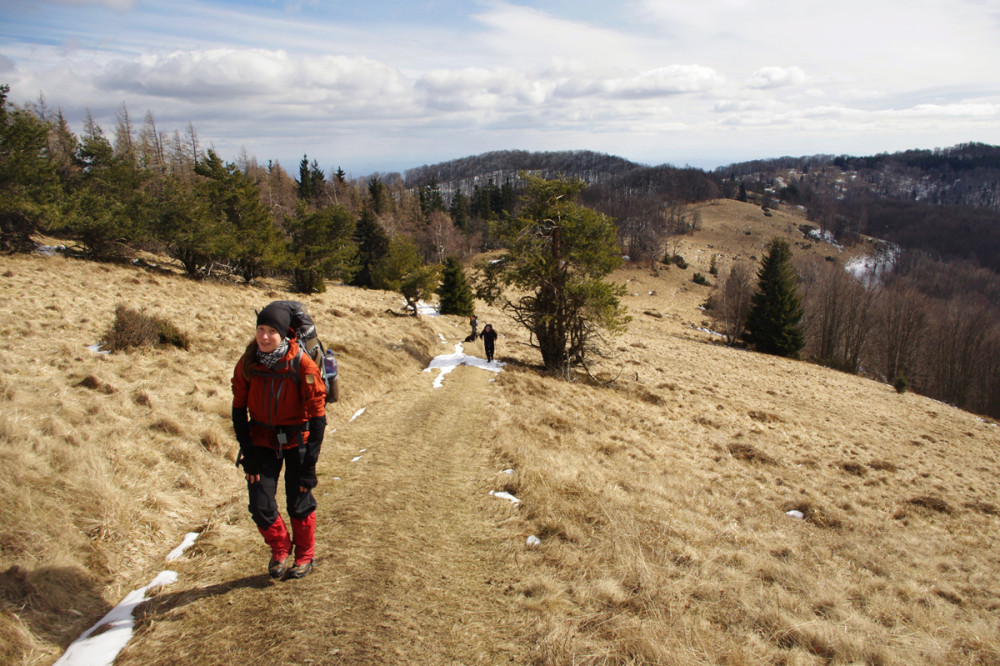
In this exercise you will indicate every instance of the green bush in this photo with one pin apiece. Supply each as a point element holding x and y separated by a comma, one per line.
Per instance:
<point>678,261</point>
<point>700,279</point>
<point>900,383</point>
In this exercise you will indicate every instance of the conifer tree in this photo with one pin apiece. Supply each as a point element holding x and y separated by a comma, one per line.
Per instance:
<point>774,325</point>
<point>455,293</point>
<point>321,247</point>
<point>29,184</point>
<point>559,251</point>
<point>402,270</point>
<point>373,244</point>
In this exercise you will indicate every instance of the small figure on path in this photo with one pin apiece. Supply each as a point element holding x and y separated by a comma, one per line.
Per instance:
<point>282,392</point>
<point>489,337</point>
<point>474,323</point>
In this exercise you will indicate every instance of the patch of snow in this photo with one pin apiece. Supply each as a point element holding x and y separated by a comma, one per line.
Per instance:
<point>96,348</point>
<point>709,331</point>
<point>100,645</point>
<point>50,250</point>
<point>448,362</point>
<point>188,541</point>
<point>428,309</point>
<point>357,414</point>
<point>798,515</point>
<point>505,495</point>
<point>824,237</point>
<point>355,458</point>
<point>533,541</point>
<point>508,472</point>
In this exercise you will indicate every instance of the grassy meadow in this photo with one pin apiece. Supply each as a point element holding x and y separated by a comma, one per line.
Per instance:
<point>661,497</point>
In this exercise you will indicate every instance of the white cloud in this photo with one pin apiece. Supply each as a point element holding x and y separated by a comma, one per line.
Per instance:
<point>644,78</point>
<point>777,77</point>
<point>271,78</point>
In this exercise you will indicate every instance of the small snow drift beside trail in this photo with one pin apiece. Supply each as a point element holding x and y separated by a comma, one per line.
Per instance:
<point>448,362</point>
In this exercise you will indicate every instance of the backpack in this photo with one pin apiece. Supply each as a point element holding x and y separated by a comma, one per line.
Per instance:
<point>305,332</point>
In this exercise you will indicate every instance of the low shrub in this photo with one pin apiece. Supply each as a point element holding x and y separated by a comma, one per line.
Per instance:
<point>133,329</point>
<point>700,279</point>
<point>900,383</point>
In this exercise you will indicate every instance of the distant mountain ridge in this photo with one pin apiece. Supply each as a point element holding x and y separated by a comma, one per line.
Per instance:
<point>964,175</point>
<point>501,165</point>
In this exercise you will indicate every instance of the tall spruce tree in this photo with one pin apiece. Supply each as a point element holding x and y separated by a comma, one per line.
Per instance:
<point>321,247</point>
<point>774,325</point>
<point>455,293</point>
<point>373,244</point>
<point>29,183</point>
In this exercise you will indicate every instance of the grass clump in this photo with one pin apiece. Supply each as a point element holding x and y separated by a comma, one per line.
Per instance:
<point>133,329</point>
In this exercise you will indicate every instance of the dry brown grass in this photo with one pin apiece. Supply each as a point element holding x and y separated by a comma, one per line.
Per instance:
<point>660,499</point>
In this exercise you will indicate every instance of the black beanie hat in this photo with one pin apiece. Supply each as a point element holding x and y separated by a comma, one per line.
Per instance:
<point>277,316</point>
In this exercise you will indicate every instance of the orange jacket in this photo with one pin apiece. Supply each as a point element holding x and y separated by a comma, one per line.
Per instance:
<point>273,397</point>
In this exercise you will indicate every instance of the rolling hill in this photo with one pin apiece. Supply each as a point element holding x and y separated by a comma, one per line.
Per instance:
<point>704,504</point>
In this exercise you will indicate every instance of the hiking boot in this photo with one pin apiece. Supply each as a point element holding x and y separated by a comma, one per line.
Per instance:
<point>300,570</point>
<point>277,568</point>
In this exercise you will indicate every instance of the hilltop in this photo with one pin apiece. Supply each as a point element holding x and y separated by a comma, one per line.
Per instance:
<point>660,500</point>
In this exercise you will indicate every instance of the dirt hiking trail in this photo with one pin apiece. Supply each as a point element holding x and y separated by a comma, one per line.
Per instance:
<point>416,561</point>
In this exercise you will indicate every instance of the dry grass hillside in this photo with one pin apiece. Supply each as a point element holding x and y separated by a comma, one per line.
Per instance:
<point>661,500</point>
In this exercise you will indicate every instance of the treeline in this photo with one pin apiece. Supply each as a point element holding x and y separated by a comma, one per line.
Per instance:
<point>910,320</point>
<point>647,203</point>
<point>136,187</point>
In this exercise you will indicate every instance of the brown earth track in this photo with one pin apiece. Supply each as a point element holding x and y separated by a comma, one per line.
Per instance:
<point>414,562</point>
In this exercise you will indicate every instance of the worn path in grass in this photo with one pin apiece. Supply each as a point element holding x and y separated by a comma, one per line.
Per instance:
<point>416,562</point>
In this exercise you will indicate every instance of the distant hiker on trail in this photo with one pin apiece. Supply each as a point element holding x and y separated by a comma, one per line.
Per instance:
<point>281,389</point>
<point>489,337</point>
<point>474,323</point>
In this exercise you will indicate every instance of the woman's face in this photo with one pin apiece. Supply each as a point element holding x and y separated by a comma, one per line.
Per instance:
<point>268,338</point>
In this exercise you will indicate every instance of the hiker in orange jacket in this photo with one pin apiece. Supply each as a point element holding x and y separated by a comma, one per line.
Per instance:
<point>282,392</point>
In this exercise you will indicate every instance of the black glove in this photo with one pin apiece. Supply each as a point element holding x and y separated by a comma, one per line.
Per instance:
<point>317,428</point>
<point>248,453</point>
<point>307,477</point>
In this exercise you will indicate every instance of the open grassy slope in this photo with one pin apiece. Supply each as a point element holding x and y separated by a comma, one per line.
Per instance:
<point>660,501</point>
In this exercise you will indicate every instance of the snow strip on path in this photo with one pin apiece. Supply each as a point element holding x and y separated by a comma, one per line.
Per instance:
<point>448,362</point>
<point>188,541</point>
<point>100,645</point>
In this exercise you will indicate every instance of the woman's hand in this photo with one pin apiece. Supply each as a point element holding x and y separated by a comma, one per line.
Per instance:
<point>253,478</point>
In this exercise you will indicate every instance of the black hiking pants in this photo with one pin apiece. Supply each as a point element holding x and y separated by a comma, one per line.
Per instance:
<point>263,494</point>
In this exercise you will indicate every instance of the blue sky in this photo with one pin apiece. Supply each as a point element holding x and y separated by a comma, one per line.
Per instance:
<point>388,85</point>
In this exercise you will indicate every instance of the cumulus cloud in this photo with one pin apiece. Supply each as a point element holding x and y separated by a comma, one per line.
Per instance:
<point>659,82</point>
<point>672,80</point>
<point>478,87</point>
<point>777,77</point>
<point>268,76</point>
